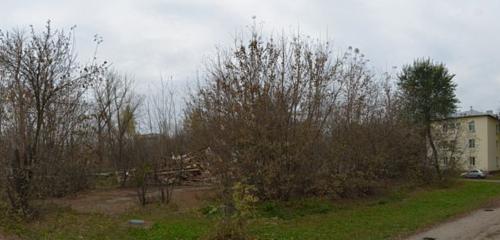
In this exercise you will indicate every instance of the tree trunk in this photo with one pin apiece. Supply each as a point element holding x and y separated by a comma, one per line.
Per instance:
<point>434,153</point>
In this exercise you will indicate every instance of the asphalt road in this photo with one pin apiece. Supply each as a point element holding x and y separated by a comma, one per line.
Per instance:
<point>481,224</point>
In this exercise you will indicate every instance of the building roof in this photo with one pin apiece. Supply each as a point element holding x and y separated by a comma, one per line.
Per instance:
<point>474,113</point>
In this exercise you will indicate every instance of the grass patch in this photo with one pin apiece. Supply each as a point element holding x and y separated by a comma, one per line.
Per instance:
<point>294,209</point>
<point>384,218</point>
<point>63,223</point>
<point>396,214</point>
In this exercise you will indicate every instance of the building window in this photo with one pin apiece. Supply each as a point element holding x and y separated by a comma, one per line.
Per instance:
<point>472,143</point>
<point>472,126</point>
<point>472,161</point>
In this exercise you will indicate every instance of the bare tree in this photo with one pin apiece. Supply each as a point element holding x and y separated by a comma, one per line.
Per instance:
<point>43,86</point>
<point>292,119</point>
<point>114,115</point>
<point>263,112</point>
<point>166,149</point>
<point>448,135</point>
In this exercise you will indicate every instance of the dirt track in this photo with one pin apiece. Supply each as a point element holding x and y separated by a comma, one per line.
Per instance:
<point>116,201</point>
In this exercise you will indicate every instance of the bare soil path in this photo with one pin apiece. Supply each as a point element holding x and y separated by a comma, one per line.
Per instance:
<point>120,200</point>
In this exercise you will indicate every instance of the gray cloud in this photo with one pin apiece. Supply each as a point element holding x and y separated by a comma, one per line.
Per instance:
<point>173,37</point>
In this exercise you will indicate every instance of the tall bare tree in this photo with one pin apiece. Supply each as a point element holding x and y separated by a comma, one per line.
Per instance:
<point>43,86</point>
<point>293,119</point>
<point>166,139</point>
<point>114,113</point>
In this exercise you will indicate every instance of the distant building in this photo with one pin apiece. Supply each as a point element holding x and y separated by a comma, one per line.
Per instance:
<point>470,140</point>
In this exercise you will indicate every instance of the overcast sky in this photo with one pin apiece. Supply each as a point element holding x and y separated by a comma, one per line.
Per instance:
<point>150,38</point>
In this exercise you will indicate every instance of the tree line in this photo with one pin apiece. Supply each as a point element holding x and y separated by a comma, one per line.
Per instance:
<point>289,117</point>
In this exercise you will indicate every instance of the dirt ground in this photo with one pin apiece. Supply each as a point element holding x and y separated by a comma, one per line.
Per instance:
<point>116,201</point>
